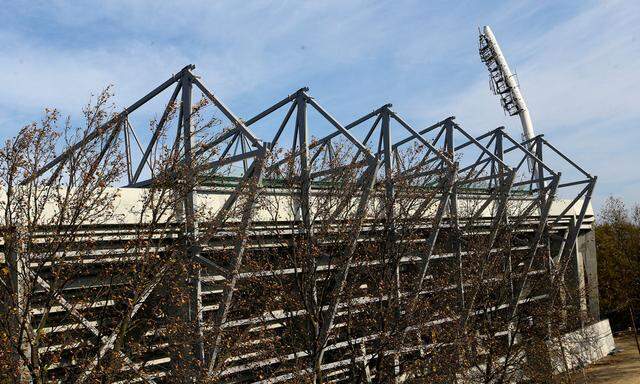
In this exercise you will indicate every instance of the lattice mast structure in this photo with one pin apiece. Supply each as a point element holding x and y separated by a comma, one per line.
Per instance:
<point>503,82</point>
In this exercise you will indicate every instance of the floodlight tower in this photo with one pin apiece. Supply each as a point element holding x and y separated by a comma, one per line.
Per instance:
<point>503,82</point>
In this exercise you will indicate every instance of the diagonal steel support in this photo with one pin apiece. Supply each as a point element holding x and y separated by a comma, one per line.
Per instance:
<point>156,134</point>
<point>341,278</point>
<point>546,200</point>
<point>421,139</point>
<point>353,124</point>
<point>87,324</point>
<point>497,223</point>
<point>254,119</point>
<point>108,343</point>
<point>570,242</point>
<point>223,108</point>
<point>237,259</point>
<point>435,231</point>
<point>339,127</point>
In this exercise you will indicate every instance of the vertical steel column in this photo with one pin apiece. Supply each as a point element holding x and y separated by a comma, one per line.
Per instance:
<point>388,168</point>
<point>387,150</point>
<point>305,186</point>
<point>537,170</point>
<point>541,361</point>
<point>302,131</point>
<point>499,152</point>
<point>456,233</point>
<point>191,228</point>
<point>454,221</point>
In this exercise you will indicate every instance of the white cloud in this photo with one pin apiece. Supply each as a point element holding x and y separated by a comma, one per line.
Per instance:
<point>579,76</point>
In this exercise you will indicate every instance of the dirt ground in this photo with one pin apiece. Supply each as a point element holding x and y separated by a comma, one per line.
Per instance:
<point>621,368</point>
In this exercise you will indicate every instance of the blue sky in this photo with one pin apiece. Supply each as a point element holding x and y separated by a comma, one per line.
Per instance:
<point>577,63</point>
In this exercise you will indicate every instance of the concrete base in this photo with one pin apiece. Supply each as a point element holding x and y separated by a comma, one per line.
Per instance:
<point>582,347</point>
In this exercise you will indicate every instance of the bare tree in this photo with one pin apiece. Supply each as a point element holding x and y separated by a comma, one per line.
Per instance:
<point>618,242</point>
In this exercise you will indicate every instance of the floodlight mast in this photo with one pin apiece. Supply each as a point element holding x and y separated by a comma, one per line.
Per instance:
<point>503,82</point>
